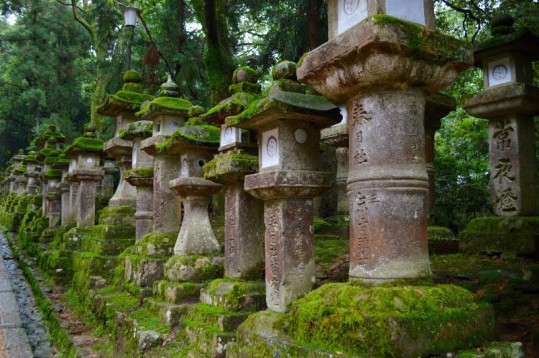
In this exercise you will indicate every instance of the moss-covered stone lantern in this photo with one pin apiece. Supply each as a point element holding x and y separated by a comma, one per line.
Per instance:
<point>244,216</point>
<point>123,105</point>
<point>32,172</point>
<point>509,101</point>
<point>288,123</point>
<point>19,170</point>
<point>141,176</point>
<point>85,154</point>
<point>195,143</point>
<point>168,112</point>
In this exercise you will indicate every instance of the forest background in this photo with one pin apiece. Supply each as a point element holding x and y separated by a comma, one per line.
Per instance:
<point>60,58</point>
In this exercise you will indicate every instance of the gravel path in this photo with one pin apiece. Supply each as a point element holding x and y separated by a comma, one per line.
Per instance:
<point>31,320</point>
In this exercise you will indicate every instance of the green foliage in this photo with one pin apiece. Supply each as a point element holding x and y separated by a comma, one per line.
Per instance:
<point>462,170</point>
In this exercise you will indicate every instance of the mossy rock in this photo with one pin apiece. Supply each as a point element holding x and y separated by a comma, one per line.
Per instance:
<point>176,292</point>
<point>115,215</point>
<point>167,103</point>
<point>85,144</point>
<point>244,74</point>
<point>132,76</point>
<point>194,268</point>
<point>405,321</point>
<point>156,244</point>
<point>52,174</point>
<point>230,167</point>
<point>202,134</point>
<point>231,106</point>
<point>235,295</point>
<point>138,129</point>
<point>138,173</point>
<point>499,235</point>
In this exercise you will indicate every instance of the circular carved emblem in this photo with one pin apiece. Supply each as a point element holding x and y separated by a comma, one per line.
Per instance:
<point>499,72</point>
<point>271,146</point>
<point>350,6</point>
<point>300,135</point>
<point>89,160</point>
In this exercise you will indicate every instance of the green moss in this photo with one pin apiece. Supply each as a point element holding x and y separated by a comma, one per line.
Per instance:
<point>439,233</point>
<point>194,134</point>
<point>132,76</point>
<point>147,321</point>
<point>138,129</point>
<point>29,158</point>
<point>52,174</point>
<point>244,87</point>
<point>231,164</point>
<point>21,169</point>
<point>156,244</point>
<point>390,321</point>
<point>47,152</point>
<point>139,173</point>
<point>86,144</point>
<point>132,87</point>
<point>230,107</point>
<point>515,235</point>
<point>169,103</point>
<point>244,74</point>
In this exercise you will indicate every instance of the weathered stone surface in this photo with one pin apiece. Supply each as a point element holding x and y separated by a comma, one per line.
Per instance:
<point>193,268</point>
<point>235,295</point>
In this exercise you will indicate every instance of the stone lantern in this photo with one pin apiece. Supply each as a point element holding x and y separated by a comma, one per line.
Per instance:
<point>509,101</point>
<point>168,112</point>
<point>106,188</point>
<point>31,172</point>
<point>54,194</point>
<point>141,176</point>
<point>288,123</point>
<point>194,144</point>
<point>123,105</point>
<point>244,216</point>
<point>85,155</point>
<point>20,180</point>
<point>388,182</point>
<point>47,157</point>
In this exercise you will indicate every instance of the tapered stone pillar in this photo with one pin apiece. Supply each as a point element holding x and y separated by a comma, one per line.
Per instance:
<point>288,122</point>
<point>384,80</point>
<point>437,107</point>
<point>244,214</point>
<point>123,105</point>
<point>168,113</point>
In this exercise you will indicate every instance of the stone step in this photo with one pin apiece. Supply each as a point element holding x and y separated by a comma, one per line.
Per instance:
<point>235,295</point>
<point>169,314</point>
<point>218,318</point>
<point>177,292</point>
<point>207,341</point>
<point>143,270</point>
<point>194,268</point>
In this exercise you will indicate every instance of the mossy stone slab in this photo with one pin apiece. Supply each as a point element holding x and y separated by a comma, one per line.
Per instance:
<point>234,295</point>
<point>499,235</point>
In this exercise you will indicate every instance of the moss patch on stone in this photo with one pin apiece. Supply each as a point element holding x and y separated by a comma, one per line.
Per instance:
<point>202,134</point>
<point>230,107</point>
<point>231,164</point>
<point>390,321</point>
<point>169,103</point>
<point>86,144</point>
<point>138,129</point>
<point>156,244</point>
<point>139,173</point>
<point>497,235</point>
<point>52,174</point>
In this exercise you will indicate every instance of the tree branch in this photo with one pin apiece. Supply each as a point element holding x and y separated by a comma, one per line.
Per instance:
<point>68,4</point>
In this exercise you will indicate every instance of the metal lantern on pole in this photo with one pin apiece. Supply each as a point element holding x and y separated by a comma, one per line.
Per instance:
<point>130,16</point>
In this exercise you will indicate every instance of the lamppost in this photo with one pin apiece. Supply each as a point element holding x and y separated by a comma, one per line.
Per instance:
<point>130,20</point>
